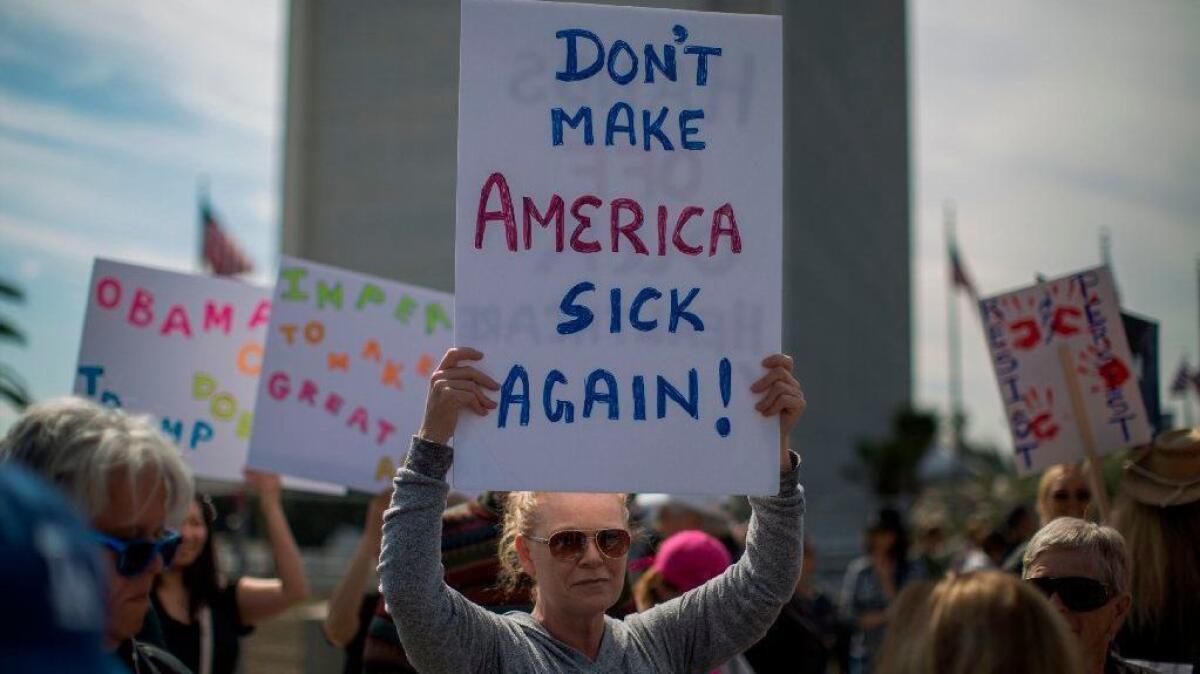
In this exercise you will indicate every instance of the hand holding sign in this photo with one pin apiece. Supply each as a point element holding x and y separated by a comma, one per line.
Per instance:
<point>782,396</point>
<point>452,388</point>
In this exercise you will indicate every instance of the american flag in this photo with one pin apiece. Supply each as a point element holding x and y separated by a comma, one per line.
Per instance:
<point>959,273</point>
<point>1183,377</point>
<point>220,252</point>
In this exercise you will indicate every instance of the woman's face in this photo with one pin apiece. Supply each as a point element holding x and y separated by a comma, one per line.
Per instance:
<point>882,541</point>
<point>586,586</point>
<point>194,532</point>
<point>1068,496</point>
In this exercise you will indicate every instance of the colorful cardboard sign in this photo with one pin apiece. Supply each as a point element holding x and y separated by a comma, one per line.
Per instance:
<point>618,246</point>
<point>345,373</point>
<point>184,348</point>
<point>1064,369</point>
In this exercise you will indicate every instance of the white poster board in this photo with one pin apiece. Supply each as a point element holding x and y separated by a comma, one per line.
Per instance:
<point>1065,371</point>
<point>184,348</point>
<point>618,239</point>
<point>345,373</point>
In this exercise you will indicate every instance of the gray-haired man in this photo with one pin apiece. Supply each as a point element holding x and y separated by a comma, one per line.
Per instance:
<point>1084,569</point>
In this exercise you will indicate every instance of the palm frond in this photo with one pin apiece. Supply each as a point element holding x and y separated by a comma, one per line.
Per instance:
<point>11,291</point>
<point>13,391</point>
<point>11,332</point>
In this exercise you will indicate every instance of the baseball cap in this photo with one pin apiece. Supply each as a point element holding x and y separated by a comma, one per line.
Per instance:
<point>52,578</point>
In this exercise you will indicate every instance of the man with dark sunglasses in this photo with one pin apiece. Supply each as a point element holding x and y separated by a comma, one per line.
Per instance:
<point>1083,569</point>
<point>129,483</point>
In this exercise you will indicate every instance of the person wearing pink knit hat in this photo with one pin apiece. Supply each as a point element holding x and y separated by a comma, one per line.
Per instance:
<point>684,561</point>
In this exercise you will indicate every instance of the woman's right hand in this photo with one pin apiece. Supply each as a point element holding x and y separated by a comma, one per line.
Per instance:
<point>454,387</point>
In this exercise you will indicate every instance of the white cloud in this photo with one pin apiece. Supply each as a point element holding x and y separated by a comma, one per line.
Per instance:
<point>219,58</point>
<point>263,204</point>
<point>126,139</point>
<point>79,249</point>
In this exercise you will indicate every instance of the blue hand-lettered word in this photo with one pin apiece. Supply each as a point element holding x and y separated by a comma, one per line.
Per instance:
<point>622,64</point>
<point>600,389</point>
<point>581,316</point>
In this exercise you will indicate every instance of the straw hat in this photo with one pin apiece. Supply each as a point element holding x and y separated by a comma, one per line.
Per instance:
<point>1167,472</point>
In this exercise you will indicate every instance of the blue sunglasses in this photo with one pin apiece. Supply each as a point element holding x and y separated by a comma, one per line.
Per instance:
<point>135,555</point>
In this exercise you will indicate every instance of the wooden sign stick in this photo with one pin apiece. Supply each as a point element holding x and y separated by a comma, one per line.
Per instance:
<point>1085,431</point>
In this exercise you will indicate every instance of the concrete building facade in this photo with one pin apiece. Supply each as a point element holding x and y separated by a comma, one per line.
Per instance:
<point>369,185</point>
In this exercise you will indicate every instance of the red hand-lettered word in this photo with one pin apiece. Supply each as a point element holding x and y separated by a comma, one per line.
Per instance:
<point>179,319</point>
<point>279,387</point>
<point>625,218</point>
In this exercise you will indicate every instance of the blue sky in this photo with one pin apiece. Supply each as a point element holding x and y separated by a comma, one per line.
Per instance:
<point>1044,122</point>
<point>110,112</point>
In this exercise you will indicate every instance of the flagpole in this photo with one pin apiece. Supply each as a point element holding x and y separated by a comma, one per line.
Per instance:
<point>1193,388</point>
<point>201,200</point>
<point>952,327</point>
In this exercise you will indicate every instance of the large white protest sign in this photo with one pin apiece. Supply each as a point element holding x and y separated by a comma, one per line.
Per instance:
<point>184,348</point>
<point>618,246</point>
<point>345,374</point>
<point>1064,369</point>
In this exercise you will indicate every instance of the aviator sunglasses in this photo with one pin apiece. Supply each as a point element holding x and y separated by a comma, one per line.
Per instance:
<point>1081,495</point>
<point>1080,595</point>
<point>135,555</point>
<point>571,544</point>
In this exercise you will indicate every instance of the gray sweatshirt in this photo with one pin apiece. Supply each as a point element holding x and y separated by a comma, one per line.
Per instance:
<point>444,632</point>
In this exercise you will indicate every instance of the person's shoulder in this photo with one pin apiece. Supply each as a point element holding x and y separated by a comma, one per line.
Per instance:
<point>154,660</point>
<point>1118,665</point>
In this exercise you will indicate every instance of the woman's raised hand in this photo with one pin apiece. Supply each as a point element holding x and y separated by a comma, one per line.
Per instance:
<point>268,486</point>
<point>454,387</point>
<point>781,395</point>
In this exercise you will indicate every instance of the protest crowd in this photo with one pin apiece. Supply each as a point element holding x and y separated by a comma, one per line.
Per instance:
<point>534,581</point>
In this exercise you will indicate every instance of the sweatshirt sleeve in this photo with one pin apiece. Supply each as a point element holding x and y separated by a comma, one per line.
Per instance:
<point>441,630</point>
<point>728,614</point>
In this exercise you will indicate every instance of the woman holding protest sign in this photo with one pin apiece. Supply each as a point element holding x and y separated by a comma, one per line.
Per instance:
<point>203,617</point>
<point>573,548</point>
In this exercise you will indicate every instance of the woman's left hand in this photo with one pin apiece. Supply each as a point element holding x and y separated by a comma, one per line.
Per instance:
<point>268,485</point>
<point>780,395</point>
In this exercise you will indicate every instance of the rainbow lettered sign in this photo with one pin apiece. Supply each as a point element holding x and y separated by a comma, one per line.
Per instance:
<point>184,348</point>
<point>345,374</point>
<point>1064,369</point>
<point>618,245</point>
